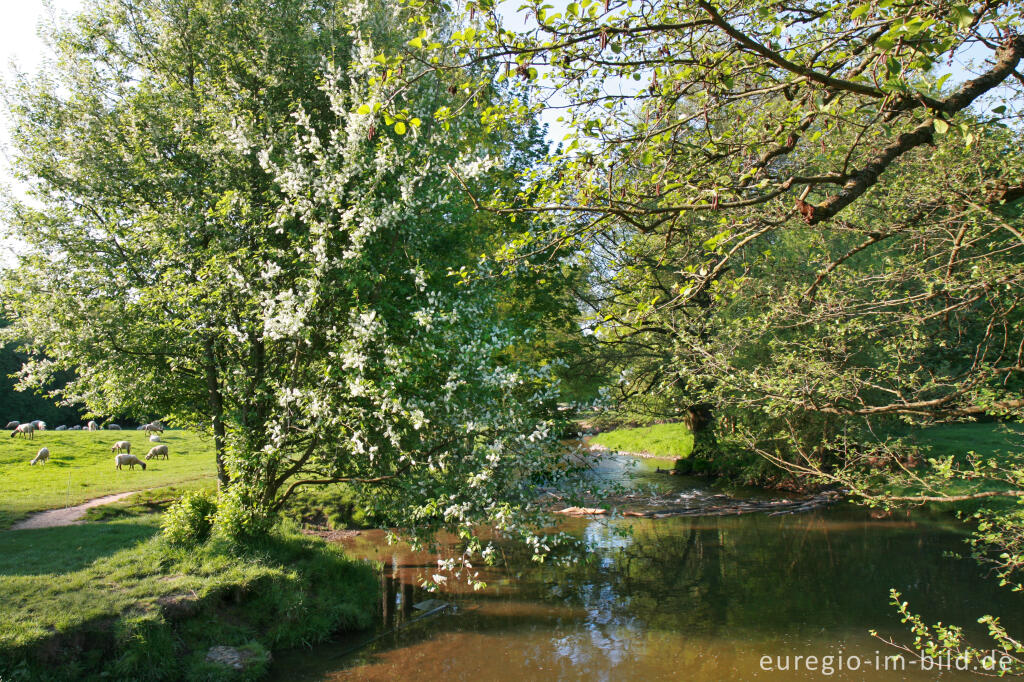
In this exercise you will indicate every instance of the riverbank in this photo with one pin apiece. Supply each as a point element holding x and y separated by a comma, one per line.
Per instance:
<point>113,599</point>
<point>91,588</point>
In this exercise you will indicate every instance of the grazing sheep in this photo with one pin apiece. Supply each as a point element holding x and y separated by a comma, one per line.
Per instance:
<point>121,445</point>
<point>41,456</point>
<point>153,427</point>
<point>76,427</point>
<point>39,424</point>
<point>130,460</point>
<point>140,427</point>
<point>157,452</point>
<point>154,438</point>
<point>25,430</point>
<point>112,427</point>
<point>12,425</point>
<point>61,428</point>
<point>92,426</point>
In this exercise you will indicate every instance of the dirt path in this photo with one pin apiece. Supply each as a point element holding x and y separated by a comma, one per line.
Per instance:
<point>68,515</point>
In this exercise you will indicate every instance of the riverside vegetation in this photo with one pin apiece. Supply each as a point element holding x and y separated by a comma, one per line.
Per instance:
<point>115,597</point>
<point>335,237</point>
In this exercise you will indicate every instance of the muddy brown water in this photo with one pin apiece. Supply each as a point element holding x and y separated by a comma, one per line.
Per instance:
<point>750,597</point>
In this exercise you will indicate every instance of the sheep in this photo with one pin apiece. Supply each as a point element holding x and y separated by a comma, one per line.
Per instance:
<point>157,452</point>
<point>12,425</point>
<point>25,430</point>
<point>61,428</point>
<point>76,427</point>
<point>153,427</point>
<point>41,456</point>
<point>39,424</point>
<point>92,426</point>
<point>154,438</point>
<point>130,460</point>
<point>112,427</point>
<point>121,445</point>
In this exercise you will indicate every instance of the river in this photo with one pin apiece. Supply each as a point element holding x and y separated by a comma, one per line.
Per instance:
<point>685,598</point>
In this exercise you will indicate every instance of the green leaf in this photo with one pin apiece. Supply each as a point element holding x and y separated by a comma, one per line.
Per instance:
<point>961,16</point>
<point>941,126</point>
<point>363,109</point>
<point>860,10</point>
<point>400,128</point>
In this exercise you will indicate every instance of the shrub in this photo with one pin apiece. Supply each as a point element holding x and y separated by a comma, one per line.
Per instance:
<point>188,521</point>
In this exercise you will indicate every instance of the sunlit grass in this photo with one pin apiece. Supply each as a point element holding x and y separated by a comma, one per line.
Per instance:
<point>660,440</point>
<point>112,585</point>
<point>81,467</point>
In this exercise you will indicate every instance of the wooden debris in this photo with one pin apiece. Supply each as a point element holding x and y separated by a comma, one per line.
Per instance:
<point>582,511</point>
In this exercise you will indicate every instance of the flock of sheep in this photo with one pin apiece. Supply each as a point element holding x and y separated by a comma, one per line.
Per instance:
<point>122,448</point>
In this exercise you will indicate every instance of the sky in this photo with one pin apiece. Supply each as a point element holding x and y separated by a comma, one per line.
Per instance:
<point>21,45</point>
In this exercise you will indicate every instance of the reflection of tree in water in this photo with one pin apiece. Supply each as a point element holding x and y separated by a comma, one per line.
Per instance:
<point>753,576</point>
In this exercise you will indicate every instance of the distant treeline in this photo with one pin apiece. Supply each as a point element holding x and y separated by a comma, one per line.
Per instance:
<point>27,405</point>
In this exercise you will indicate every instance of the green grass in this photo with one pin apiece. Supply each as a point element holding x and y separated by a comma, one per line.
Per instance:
<point>986,439</point>
<point>148,502</point>
<point>660,440</point>
<point>113,599</point>
<point>991,441</point>
<point>81,467</point>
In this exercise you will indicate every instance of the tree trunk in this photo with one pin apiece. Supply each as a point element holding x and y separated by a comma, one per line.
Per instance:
<point>217,414</point>
<point>701,422</point>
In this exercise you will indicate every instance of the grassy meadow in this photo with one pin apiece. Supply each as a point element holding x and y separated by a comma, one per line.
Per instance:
<point>113,600</point>
<point>660,440</point>
<point>81,467</point>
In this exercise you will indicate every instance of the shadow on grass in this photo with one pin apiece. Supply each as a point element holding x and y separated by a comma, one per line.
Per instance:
<point>67,548</point>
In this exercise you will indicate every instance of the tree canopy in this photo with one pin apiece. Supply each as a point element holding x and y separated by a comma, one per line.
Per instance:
<point>802,222</point>
<point>222,232</point>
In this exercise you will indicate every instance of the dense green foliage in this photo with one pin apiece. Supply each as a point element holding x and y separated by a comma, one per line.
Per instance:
<point>800,218</point>
<point>236,221</point>
<point>25,406</point>
<point>188,521</point>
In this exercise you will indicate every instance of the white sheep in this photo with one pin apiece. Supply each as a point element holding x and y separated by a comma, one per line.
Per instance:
<point>61,428</point>
<point>154,438</point>
<point>153,427</point>
<point>41,456</point>
<point>92,426</point>
<point>12,425</point>
<point>26,430</point>
<point>112,427</point>
<point>121,445</point>
<point>76,427</point>
<point>129,460</point>
<point>157,452</point>
<point>39,424</point>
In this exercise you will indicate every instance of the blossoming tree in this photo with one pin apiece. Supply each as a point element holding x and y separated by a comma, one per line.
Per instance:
<point>220,229</point>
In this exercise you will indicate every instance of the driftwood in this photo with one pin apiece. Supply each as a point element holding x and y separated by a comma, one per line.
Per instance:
<point>582,511</point>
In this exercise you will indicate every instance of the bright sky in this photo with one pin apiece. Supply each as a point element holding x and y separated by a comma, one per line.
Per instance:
<point>21,45</point>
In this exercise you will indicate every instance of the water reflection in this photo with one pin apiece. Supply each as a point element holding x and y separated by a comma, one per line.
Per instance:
<point>677,598</point>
